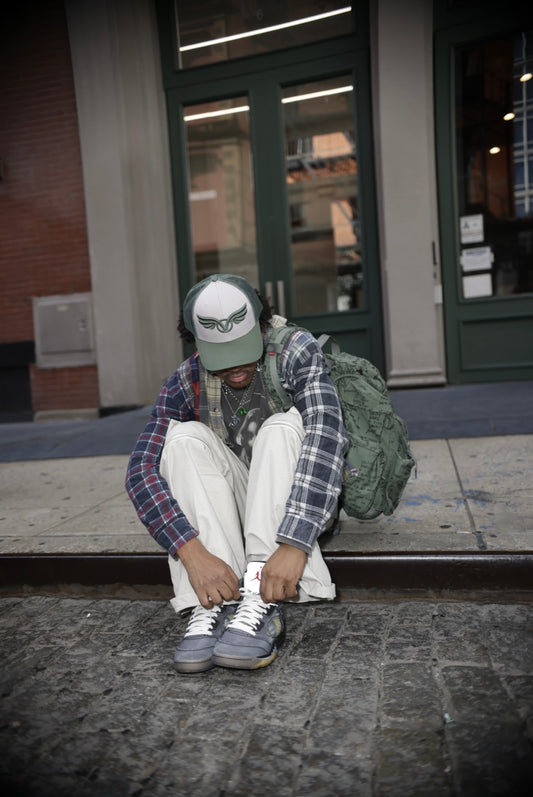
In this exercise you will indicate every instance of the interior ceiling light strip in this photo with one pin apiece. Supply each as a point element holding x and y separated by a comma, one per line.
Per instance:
<point>241,108</point>
<point>210,114</point>
<point>269,29</point>
<point>314,94</point>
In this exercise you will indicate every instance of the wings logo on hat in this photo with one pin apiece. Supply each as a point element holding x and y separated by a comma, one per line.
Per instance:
<point>224,324</point>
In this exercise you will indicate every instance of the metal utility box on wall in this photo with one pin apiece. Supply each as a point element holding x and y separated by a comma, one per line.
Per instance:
<point>63,330</point>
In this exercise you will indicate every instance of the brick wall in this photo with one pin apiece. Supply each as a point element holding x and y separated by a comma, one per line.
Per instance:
<point>50,386</point>
<point>44,249</point>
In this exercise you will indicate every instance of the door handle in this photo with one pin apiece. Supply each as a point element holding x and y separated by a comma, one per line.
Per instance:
<point>280,284</point>
<point>268,291</point>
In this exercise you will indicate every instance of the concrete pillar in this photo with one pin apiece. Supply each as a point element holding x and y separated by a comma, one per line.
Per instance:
<point>402,86</point>
<point>126,169</point>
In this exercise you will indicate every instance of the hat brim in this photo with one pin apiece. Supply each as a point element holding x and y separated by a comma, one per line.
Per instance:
<point>243,350</point>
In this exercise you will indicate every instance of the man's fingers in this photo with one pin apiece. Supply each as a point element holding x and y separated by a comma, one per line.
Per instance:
<point>214,595</point>
<point>289,590</point>
<point>228,593</point>
<point>207,601</point>
<point>277,590</point>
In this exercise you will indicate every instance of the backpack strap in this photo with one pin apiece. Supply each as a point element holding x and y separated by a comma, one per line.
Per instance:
<point>333,345</point>
<point>275,345</point>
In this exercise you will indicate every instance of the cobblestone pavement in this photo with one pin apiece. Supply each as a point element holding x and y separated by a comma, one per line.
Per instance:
<point>373,698</point>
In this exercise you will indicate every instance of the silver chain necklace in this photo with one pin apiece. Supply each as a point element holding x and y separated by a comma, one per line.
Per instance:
<point>238,412</point>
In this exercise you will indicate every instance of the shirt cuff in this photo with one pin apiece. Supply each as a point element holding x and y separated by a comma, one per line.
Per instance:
<point>295,544</point>
<point>298,532</point>
<point>176,543</point>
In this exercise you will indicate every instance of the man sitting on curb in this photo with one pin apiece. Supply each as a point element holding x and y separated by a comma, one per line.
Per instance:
<point>233,489</point>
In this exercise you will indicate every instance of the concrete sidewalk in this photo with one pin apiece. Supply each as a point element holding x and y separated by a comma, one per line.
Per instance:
<point>468,495</point>
<point>62,495</point>
<point>469,507</point>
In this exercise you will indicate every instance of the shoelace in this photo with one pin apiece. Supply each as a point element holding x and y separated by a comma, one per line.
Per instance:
<point>202,620</point>
<point>249,612</point>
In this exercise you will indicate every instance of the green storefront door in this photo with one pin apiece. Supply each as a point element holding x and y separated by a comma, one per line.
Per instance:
<point>484,112</point>
<point>273,179</point>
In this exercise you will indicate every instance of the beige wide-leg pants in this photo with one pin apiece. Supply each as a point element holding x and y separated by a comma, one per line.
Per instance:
<point>237,511</point>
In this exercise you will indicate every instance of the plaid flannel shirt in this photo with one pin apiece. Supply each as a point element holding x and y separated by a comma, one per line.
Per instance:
<point>191,393</point>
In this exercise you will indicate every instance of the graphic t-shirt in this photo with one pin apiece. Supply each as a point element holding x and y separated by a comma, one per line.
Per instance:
<point>243,428</point>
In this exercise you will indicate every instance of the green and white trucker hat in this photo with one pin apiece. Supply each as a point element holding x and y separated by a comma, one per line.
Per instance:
<point>222,312</point>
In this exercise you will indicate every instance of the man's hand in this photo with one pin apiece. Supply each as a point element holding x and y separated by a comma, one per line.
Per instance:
<point>281,573</point>
<point>211,578</point>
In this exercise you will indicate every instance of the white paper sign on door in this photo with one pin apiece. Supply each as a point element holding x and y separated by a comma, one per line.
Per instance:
<point>480,258</point>
<point>477,285</point>
<point>471,229</point>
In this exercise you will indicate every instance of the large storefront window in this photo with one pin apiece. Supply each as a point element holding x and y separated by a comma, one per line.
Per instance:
<point>210,31</point>
<point>494,140</point>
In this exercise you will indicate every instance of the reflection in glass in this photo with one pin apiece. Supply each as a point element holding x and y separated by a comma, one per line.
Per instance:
<point>221,189</point>
<point>321,163</point>
<point>220,30</point>
<point>494,141</point>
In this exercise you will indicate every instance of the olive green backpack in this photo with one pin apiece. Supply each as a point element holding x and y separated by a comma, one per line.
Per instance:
<point>379,461</point>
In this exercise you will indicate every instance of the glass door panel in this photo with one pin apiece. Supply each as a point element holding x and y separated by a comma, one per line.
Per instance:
<point>321,177</point>
<point>494,135</point>
<point>221,189</point>
<point>273,179</point>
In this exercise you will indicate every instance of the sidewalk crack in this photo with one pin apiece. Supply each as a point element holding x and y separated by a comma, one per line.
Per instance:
<point>480,541</point>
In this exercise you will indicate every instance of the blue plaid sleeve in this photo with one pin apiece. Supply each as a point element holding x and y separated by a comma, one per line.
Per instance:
<point>148,490</point>
<point>318,478</point>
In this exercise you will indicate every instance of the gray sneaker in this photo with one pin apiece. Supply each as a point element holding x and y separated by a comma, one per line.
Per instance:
<point>195,651</point>
<point>252,637</point>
